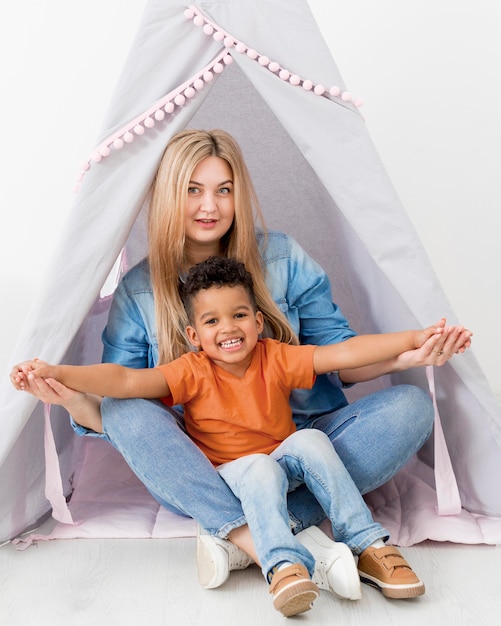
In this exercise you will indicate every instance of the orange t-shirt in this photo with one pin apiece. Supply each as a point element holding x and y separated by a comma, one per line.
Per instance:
<point>229,417</point>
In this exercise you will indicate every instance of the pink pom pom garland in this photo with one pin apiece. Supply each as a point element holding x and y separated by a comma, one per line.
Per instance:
<point>188,90</point>
<point>218,34</point>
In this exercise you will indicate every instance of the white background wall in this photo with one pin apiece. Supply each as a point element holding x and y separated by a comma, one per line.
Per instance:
<point>428,71</point>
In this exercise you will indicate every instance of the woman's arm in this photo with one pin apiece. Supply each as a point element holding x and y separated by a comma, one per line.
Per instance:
<point>85,407</point>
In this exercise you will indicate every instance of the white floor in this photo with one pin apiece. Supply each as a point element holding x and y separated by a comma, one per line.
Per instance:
<point>152,582</point>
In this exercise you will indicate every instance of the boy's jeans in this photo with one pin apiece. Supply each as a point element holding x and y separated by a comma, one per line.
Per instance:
<point>261,483</point>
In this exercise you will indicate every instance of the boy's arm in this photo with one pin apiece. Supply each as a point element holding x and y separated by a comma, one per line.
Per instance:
<point>436,350</point>
<point>365,350</point>
<point>105,379</point>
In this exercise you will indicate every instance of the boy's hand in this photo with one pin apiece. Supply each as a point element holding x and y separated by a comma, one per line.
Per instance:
<point>434,332</point>
<point>30,370</point>
<point>20,373</point>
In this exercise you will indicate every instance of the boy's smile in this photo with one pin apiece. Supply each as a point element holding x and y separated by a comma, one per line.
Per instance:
<point>226,327</point>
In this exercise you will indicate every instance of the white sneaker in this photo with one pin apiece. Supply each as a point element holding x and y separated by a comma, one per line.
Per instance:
<point>335,567</point>
<point>216,558</point>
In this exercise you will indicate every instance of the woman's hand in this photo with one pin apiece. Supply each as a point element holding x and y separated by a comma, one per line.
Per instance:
<point>25,377</point>
<point>438,349</point>
<point>84,408</point>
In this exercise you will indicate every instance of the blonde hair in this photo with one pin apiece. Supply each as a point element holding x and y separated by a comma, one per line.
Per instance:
<point>166,235</point>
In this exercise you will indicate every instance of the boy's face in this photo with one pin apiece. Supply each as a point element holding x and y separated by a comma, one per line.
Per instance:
<point>226,326</point>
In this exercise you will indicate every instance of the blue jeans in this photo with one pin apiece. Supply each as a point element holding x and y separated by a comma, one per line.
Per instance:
<point>374,437</point>
<point>261,483</point>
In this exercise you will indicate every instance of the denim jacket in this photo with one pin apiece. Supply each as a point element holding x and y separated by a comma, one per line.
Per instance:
<point>298,286</point>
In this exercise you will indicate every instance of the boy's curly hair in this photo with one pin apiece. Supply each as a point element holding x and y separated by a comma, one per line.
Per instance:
<point>216,271</point>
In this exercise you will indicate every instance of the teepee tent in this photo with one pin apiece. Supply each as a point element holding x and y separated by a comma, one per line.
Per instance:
<point>262,71</point>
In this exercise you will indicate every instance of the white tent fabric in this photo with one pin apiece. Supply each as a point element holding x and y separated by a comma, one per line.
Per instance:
<point>319,178</point>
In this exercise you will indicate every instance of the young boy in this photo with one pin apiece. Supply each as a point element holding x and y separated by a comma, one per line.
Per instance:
<point>235,392</point>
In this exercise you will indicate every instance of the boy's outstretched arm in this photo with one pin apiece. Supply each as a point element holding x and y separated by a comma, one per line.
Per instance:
<point>436,351</point>
<point>365,350</point>
<point>103,379</point>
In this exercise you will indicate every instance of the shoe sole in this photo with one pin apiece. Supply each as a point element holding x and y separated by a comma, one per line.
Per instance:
<point>398,592</point>
<point>208,565</point>
<point>300,602</point>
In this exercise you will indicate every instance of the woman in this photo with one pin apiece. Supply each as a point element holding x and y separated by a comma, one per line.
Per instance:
<point>203,204</point>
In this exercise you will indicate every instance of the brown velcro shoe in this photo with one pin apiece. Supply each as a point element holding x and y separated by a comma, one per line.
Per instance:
<point>387,570</point>
<point>293,591</point>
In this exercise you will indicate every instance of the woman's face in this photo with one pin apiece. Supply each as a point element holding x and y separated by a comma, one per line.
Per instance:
<point>210,206</point>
